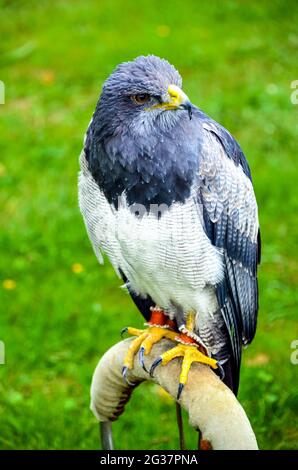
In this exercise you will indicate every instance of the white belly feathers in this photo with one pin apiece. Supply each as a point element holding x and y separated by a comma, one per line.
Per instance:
<point>170,258</point>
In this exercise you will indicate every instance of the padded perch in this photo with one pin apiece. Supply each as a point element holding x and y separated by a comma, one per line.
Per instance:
<point>210,404</point>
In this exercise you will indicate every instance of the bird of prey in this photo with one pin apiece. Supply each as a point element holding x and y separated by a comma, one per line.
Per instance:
<point>166,193</point>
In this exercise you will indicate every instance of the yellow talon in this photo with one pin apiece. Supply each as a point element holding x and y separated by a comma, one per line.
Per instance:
<point>145,340</point>
<point>187,347</point>
<point>132,350</point>
<point>190,354</point>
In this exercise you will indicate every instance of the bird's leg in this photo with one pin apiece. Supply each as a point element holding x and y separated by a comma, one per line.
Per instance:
<point>190,347</point>
<point>159,326</point>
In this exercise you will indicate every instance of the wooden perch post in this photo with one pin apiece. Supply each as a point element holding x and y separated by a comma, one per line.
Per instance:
<point>211,406</point>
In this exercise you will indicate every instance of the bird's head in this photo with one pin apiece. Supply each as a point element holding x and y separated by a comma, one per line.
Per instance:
<point>141,91</point>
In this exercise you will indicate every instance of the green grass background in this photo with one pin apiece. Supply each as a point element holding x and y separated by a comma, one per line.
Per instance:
<point>238,60</point>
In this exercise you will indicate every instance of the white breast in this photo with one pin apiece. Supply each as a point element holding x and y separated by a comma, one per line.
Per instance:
<point>169,258</point>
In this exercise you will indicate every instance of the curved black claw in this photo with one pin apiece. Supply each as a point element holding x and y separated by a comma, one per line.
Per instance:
<point>124,330</point>
<point>180,388</point>
<point>154,365</point>
<point>221,371</point>
<point>141,358</point>
<point>124,375</point>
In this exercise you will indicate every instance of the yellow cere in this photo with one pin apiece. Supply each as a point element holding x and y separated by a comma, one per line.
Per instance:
<point>177,95</point>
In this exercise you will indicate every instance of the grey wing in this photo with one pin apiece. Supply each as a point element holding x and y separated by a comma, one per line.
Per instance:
<point>230,215</point>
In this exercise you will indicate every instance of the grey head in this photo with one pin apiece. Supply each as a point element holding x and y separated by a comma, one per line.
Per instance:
<point>139,92</point>
<point>134,140</point>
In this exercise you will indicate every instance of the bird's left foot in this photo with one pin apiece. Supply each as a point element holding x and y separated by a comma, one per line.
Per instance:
<point>191,348</point>
<point>190,354</point>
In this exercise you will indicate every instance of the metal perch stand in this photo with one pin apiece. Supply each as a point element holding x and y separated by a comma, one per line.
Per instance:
<point>212,407</point>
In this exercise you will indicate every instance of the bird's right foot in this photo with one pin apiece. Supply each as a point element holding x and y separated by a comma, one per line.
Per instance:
<point>159,327</point>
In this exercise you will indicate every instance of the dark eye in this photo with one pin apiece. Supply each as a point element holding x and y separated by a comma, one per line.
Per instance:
<point>141,98</point>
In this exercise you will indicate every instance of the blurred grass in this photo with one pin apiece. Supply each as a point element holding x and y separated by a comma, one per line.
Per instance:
<point>238,60</point>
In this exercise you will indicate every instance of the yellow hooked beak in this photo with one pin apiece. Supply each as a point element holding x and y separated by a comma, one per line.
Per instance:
<point>178,100</point>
